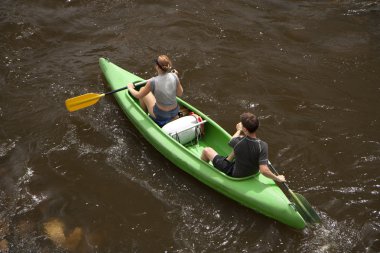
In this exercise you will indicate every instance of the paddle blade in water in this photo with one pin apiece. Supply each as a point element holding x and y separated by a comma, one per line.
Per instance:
<point>77,103</point>
<point>310,210</point>
<point>304,208</point>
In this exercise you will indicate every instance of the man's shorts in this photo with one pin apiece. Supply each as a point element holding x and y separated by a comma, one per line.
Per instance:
<point>222,164</point>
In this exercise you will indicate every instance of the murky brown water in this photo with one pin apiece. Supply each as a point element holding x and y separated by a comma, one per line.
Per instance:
<point>88,181</point>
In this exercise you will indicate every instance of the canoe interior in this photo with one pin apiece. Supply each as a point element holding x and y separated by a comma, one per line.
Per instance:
<point>212,136</point>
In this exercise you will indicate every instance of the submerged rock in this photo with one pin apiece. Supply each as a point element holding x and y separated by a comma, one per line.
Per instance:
<point>4,246</point>
<point>55,229</point>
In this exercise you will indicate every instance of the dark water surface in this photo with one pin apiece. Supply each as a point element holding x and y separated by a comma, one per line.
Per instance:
<point>88,182</point>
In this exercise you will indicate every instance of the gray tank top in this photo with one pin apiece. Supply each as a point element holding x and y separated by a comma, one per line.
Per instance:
<point>164,88</point>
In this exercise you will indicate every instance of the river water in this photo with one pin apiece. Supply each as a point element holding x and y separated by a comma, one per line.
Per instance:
<point>88,182</point>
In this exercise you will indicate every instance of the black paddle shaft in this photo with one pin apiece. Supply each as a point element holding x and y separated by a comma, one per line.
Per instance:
<point>126,87</point>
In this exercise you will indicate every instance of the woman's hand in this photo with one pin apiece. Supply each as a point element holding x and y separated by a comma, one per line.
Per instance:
<point>130,86</point>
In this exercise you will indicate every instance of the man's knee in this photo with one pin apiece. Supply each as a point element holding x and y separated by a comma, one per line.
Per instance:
<point>210,153</point>
<point>207,151</point>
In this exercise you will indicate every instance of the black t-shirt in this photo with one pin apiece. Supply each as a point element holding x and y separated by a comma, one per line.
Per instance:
<point>250,153</point>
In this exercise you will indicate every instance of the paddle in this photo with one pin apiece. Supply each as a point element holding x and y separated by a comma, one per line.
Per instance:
<point>83,101</point>
<point>302,205</point>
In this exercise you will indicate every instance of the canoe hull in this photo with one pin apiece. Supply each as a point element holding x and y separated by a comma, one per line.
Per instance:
<point>257,192</point>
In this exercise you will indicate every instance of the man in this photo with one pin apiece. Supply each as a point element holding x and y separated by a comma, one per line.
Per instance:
<point>250,153</point>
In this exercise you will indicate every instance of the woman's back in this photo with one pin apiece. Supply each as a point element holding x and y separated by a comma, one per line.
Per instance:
<point>164,88</point>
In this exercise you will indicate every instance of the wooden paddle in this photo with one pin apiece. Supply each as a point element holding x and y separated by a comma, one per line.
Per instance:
<point>302,205</point>
<point>83,101</point>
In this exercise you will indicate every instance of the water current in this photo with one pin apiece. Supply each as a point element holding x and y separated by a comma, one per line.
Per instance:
<point>88,181</point>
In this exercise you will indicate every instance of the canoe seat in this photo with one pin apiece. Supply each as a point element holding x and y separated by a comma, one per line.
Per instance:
<point>185,129</point>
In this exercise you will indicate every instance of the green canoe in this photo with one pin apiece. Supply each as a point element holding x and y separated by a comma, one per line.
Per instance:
<point>256,192</point>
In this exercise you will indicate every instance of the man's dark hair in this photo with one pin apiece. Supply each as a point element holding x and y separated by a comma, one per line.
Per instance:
<point>249,121</point>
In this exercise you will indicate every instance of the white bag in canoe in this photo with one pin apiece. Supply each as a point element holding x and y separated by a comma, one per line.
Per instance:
<point>185,129</point>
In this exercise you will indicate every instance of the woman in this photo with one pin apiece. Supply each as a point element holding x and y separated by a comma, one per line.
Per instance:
<point>158,96</point>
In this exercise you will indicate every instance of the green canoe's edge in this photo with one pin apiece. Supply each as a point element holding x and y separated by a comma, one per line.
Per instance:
<point>255,192</point>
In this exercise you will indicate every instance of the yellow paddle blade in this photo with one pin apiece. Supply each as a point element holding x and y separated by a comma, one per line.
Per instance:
<point>77,103</point>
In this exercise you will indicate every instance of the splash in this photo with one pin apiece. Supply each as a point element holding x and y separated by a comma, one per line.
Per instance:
<point>331,236</point>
